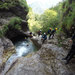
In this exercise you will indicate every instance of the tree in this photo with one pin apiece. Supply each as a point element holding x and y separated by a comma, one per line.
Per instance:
<point>49,19</point>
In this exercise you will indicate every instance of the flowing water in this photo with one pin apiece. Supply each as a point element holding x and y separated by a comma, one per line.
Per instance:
<point>23,48</point>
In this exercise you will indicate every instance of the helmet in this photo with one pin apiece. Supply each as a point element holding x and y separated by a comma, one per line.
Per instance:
<point>44,33</point>
<point>50,28</point>
<point>40,30</point>
<point>56,28</point>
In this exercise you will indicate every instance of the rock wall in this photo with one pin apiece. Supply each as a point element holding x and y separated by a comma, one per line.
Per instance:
<point>10,9</point>
<point>46,61</point>
<point>6,50</point>
<point>68,25</point>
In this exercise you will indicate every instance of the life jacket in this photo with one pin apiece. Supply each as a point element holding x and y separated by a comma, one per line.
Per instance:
<point>44,37</point>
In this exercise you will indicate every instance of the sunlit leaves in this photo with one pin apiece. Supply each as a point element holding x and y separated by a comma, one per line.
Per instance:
<point>49,19</point>
<point>33,21</point>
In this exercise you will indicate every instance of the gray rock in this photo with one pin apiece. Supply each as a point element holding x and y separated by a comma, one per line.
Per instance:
<point>46,61</point>
<point>6,49</point>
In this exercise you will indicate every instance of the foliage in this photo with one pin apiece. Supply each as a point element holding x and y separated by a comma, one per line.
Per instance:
<point>68,17</point>
<point>33,21</point>
<point>12,3</point>
<point>15,23</point>
<point>3,30</point>
<point>1,33</point>
<point>49,19</point>
<point>23,3</point>
<point>7,4</point>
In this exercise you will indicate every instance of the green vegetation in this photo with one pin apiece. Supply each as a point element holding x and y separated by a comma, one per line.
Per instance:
<point>12,3</point>
<point>50,18</point>
<point>1,33</point>
<point>3,30</point>
<point>15,23</point>
<point>7,4</point>
<point>23,3</point>
<point>61,16</point>
<point>33,21</point>
<point>68,17</point>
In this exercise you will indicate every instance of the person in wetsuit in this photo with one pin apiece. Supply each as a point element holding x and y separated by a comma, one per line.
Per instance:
<point>71,53</point>
<point>39,33</point>
<point>53,32</point>
<point>44,37</point>
<point>49,32</point>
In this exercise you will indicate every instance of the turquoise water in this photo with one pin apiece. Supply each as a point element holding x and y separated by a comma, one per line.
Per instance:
<point>23,48</point>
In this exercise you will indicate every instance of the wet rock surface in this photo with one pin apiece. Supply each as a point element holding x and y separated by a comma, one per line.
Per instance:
<point>6,50</point>
<point>46,61</point>
<point>37,41</point>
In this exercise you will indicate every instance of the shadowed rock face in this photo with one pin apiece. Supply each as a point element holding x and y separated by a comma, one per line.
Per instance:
<point>13,10</point>
<point>13,33</point>
<point>6,14</point>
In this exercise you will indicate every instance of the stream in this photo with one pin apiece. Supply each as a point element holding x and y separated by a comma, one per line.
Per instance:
<point>23,47</point>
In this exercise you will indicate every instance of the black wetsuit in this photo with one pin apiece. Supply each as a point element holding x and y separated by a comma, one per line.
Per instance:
<point>72,51</point>
<point>49,32</point>
<point>44,37</point>
<point>53,32</point>
<point>39,33</point>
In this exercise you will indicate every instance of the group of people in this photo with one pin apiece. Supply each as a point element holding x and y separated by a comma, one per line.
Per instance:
<point>50,33</point>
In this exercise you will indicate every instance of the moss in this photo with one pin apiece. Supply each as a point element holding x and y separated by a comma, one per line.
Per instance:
<point>15,23</point>
<point>6,5</point>
<point>1,33</point>
<point>68,17</point>
<point>23,3</point>
<point>7,53</point>
<point>12,3</point>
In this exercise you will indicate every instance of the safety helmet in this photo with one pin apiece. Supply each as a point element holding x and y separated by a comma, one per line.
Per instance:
<point>40,30</point>
<point>50,28</point>
<point>56,28</point>
<point>44,33</point>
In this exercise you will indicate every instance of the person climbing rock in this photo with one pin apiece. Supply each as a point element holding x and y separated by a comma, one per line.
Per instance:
<point>72,50</point>
<point>53,32</point>
<point>49,32</point>
<point>39,33</point>
<point>44,37</point>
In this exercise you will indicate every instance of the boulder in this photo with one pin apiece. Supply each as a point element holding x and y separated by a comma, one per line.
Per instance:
<point>8,11</point>
<point>46,61</point>
<point>37,41</point>
<point>6,50</point>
